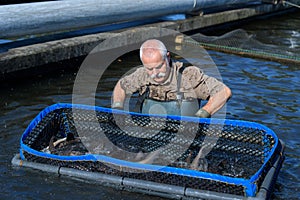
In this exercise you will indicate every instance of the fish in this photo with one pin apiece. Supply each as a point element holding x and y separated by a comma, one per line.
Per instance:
<point>200,162</point>
<point>67,146</point>
<point>149,159</point>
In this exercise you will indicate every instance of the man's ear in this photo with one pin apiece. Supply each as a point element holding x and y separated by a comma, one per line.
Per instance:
<point>168,56</point>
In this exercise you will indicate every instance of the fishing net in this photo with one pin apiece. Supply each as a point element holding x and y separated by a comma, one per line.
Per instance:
<point>244,150</point>
<point>241,43</point>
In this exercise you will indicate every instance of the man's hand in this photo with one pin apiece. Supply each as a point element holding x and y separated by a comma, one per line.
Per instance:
<point>202,113</point>
<point>118,97</point>
<point>117,105</point>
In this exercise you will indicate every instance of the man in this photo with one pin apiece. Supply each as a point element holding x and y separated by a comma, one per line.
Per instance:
<point>169,87</point>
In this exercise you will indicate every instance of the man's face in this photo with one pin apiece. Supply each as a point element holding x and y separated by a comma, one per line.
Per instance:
<point>157,67</point>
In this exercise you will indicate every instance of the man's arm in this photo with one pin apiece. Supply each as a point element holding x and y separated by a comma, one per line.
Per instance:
<point>118,96</point>
<point>206,87</point>
<point>215,102</point>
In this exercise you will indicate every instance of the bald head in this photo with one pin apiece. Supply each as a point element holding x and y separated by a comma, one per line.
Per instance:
<point>150,48</point>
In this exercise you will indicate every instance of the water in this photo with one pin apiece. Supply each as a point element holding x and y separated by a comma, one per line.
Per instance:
<point>263,91</point>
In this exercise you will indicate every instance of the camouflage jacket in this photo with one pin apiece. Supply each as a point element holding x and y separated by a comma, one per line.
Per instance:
<point>194,84</point>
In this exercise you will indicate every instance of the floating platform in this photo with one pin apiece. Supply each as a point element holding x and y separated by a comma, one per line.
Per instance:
<point>168,156</point>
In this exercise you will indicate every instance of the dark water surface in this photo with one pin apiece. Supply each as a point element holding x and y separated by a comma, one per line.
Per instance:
<point>263,91</point>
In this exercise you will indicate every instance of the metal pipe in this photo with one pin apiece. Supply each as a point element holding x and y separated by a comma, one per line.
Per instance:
<point>53,16</point>
<point>18,162</point>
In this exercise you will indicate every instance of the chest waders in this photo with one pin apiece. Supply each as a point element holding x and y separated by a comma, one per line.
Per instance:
<point>180,106</point>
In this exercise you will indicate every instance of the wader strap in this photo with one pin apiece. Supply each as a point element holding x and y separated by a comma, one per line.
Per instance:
<point>179,94</point>
<point>141,99</point>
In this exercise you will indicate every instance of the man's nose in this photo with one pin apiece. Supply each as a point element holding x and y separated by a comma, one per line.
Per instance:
<point>155,71</point>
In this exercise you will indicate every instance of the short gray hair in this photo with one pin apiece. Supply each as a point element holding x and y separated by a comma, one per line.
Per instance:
<point>155,45</point>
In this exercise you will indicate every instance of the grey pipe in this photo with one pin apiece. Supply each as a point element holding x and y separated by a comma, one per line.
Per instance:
<point>17,162</point>
<point>154,188</point>
<point>44,17</point>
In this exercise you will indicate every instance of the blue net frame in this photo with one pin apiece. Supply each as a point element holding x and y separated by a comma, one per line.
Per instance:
<point>250,144</point>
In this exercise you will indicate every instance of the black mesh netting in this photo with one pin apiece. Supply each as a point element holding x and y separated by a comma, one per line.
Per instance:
<point>239,151</point>
<point>241,43</point>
